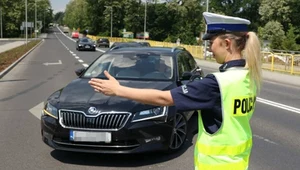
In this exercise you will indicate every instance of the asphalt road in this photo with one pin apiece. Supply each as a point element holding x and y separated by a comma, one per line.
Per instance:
<point>276,130</point>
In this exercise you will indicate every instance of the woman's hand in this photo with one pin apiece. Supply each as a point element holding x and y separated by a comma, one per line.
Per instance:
<point>108,87</point>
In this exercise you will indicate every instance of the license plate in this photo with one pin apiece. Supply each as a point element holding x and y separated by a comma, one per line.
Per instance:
<point>84,136</point>
<point>87,46</point>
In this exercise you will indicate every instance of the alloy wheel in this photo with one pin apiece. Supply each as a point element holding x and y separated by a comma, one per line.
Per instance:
<point>179,132</point>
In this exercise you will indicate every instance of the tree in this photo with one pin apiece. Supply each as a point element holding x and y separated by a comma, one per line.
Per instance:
<point>273,31</point>
<point>289,43</point>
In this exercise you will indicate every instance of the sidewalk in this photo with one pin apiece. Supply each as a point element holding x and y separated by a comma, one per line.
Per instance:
<point>17,43</point>
<point>8,46</point>
<point>267,75</point>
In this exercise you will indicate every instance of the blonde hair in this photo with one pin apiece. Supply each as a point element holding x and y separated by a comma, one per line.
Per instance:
<point>249,45</point>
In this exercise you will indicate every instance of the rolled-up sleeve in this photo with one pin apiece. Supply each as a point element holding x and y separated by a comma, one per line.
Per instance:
<point>196,95</point>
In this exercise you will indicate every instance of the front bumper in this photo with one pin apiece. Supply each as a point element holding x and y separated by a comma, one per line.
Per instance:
<point>85,48</point>
<point>144,136</point>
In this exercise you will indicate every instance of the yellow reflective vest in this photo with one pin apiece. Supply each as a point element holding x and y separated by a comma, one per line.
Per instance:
<point>229,148</point>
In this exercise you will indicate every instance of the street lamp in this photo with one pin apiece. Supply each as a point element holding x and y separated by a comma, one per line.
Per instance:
<point>145,19</point>
<point>1,22</point>
<point>111,19</point>
<point>206,31</point>
<point>35,25</point>
<point>26,31</point>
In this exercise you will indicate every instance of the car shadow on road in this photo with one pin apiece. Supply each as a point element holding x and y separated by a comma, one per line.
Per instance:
<point>126,160</point>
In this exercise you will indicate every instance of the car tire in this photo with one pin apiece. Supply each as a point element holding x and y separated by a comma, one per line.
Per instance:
<point>179,133</point>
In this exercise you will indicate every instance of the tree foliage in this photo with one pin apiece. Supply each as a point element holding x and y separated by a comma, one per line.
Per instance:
<point>14,14</point>
<point>277,21</point>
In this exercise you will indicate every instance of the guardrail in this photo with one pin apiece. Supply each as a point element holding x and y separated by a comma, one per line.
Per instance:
<point>282,62</point>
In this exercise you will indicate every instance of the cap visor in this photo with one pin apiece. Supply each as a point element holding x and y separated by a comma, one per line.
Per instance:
<point>208,36</point>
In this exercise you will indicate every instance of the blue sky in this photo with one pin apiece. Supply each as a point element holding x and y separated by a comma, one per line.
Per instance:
<point>59,5</point>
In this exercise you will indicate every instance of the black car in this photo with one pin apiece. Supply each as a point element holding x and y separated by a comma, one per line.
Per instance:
<point>76,118</point>
<point>118,45</point>
<point>103,42</point>
<point>85,44</point>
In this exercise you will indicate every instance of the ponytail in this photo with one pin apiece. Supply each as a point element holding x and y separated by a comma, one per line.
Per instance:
<point>252,53</point>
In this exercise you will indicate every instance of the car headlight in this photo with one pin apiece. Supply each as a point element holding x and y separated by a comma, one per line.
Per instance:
<point>94,45</point>
<point>80,44</point>
<point>51,111</point>
<point>150,114</point>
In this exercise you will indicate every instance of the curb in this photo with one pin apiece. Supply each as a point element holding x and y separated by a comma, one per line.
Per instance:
<point>5,71</point>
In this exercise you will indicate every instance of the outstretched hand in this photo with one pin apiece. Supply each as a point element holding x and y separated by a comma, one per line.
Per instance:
<point>108,87</point>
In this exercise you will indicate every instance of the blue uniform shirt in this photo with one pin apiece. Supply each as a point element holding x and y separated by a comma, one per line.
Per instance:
<point>204,95</point>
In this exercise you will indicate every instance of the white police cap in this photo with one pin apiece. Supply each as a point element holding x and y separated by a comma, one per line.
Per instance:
<point>218,24</point>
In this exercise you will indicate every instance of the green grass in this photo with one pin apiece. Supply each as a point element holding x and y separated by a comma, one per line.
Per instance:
<point>10,56</point>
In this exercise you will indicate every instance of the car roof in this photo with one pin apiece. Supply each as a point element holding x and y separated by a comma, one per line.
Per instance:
<point>164,50</point>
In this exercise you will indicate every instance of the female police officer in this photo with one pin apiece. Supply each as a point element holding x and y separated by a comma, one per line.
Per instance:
<point>226,99</point>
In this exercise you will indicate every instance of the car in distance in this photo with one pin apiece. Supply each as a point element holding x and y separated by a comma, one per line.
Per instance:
<point>85,44</point>
<point>118,45</point>
<point>66,29</point>
<point>75,34</point>
<point>77,118</point>
<point>103,42</point>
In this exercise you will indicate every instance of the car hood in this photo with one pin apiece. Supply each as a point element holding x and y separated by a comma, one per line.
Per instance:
<point>79,95</point>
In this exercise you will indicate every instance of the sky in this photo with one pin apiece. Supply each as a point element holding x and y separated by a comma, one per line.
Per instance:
<point>59,5</point>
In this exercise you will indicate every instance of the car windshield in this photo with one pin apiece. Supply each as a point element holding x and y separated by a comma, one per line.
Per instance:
<point>86,40</point>
<point>149,66</point>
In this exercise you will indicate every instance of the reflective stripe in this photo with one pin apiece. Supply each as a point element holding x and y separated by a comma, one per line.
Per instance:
<point>224,150</point>
<point>242,165</point>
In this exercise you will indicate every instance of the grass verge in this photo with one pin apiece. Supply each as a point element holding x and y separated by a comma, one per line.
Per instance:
<point>10,56</point>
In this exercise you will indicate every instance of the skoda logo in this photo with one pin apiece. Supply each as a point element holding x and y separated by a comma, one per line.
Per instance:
<point>93,111</point>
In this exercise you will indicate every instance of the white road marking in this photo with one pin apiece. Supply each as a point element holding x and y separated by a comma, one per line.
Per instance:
<point>85,65</point>
<point>264,139</point>
<point>279,105</point>
<point>75,40</point>
<point>77,57</point>
<point>81,61</point>
<point>57,63</point>
<point>37,110</point>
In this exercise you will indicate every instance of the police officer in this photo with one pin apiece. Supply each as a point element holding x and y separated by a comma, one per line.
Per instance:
<point>226,98</point>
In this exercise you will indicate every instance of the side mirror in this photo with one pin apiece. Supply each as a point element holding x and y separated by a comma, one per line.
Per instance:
<point>186,75</point>
<point>197,75</point>
<point>79,71</point>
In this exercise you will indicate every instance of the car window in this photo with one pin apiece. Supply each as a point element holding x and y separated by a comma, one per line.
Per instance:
<point>85,40</point>
<point>133,66</point>
<point>185,62</point>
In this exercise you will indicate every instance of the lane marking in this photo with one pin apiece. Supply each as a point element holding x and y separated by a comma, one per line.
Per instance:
<point>37,110</point>
<point>85,65</point>
<point>81,61</point>
<point>265,139</point>
<point>278,105</point>
<point>75,40</point>
<point>77,57</point>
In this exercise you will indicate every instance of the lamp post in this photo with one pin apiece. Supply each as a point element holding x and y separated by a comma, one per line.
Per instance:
<point>145,19</point>
<point>1,22</point>
<point>26,29</point>
<point>111,19</point>
<point>35,23</point>
<point>206,31</point>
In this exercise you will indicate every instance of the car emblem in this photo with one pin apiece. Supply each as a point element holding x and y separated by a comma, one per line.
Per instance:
<point>93,111</point>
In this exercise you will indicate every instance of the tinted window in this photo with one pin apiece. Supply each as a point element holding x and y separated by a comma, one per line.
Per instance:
<point>85,40</point>
<point>185,62</point>
<point>133,66</point>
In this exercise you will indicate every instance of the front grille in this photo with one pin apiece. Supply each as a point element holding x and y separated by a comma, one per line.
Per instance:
<point>104,121</point>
